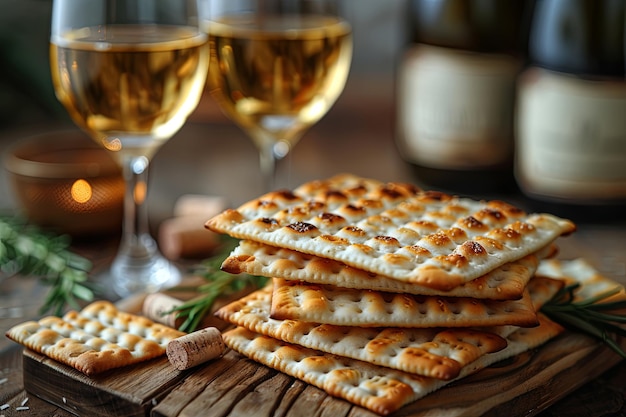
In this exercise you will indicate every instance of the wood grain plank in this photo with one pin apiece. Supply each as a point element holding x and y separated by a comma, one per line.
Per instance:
<point>361,412</point>
<point>289,397</point>
<point>11,373</point>
<point>539,394</point>
<point>235,392</point>
<point>309,402</point>
<point>331,407</point>
<point>193,384</point>
<point>263,400</point>
<point>116,392</point>
<point>235,386</point>
<point>240,369</point>
<point>36,407</point>
<point>523,386</point>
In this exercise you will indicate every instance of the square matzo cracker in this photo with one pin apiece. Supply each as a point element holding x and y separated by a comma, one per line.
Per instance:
<point>295,300</point>
<point>592,282</point>
<point>506,282</point>
<point>396,230</point>
<point>379,389</point>
<point>434,352</point>
<point>98,338</point>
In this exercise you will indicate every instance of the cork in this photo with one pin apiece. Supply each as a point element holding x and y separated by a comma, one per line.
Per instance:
<point>186,238</point>
<point>199,205</point>
<point>195,348</point>
<point>156,304</point>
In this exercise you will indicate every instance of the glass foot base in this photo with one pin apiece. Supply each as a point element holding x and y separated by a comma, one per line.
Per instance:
<point>129,275</point>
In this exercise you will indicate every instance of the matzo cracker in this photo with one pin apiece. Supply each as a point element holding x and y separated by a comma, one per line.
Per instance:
<point>297,300</point>
<point>439,353</point>
<point>97,339</point>
<point>592,282</point>
<point>396,230</point>
<point>376,388</point>
<point>506,282</point>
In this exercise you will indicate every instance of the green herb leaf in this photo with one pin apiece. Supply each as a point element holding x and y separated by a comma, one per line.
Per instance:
<point>218,283</point>
<point>591,316</point>
<point>27,250</point>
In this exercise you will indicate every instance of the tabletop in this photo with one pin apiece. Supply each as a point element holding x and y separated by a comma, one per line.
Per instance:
<point>209,156</point>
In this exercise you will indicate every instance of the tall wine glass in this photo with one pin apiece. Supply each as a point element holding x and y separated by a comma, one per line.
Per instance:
<point>277,66</point>
<point>129,72</point>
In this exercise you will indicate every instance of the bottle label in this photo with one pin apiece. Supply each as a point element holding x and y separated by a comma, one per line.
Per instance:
<point>571,137</point>
<point>455,108</point>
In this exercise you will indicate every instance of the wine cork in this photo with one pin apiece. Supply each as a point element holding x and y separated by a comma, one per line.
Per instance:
<point>156,304</point>
<point>199,205</point>
<point>186,238</point>
<point>195,348</point>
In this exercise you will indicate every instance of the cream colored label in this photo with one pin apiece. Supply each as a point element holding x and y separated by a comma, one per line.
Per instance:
<point>571,136</point>
<point>455,108</point>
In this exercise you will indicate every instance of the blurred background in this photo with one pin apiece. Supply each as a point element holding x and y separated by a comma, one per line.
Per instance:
<point>28,104</point>
<point>27,97</point>
<point>442,116</point>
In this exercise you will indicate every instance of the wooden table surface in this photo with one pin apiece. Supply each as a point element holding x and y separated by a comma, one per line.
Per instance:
<point>211,157</point>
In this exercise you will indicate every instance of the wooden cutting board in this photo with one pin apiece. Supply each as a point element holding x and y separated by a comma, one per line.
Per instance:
<point>236,386</point>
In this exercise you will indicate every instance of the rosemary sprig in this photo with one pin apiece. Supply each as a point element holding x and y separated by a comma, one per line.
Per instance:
<point>218,283</point>
<point>28,251</point>
<point>591,316</point>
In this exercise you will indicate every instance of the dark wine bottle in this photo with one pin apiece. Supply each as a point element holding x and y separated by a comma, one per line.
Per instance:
<point>571,114</point>
<point>456,87</point>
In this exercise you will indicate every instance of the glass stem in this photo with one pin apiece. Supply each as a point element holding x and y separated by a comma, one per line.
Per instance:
<point>138,266</point>
<point>136,241</point>
<point>268,163</point>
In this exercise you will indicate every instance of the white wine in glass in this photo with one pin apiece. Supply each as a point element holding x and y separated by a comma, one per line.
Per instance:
<point>129,73</point>
<point>277,67</point>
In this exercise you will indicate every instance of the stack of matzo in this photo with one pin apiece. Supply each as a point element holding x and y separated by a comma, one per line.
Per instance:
<point>381,292</point>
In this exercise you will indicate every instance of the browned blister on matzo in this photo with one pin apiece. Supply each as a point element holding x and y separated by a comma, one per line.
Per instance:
<point>97,339</point>
<point>506,282</point>
<point>395,230</point>
<point>434,352</point>
<point>295,300</point>
<point>379,389</point>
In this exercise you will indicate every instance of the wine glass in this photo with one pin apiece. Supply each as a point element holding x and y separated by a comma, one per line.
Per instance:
<point>277,66</point>
<point>129,72</point>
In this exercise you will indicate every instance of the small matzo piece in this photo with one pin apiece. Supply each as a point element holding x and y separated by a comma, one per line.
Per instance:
<point>593,283</point>
<point>438,353</point>
<point>395,230</point>
<point>97,339</point>
<point>297,300</point>
<point>506,282</point>
<point>379,389</point>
